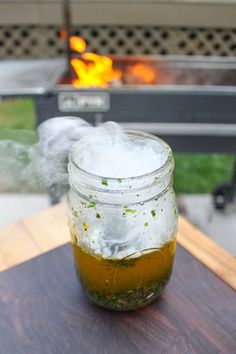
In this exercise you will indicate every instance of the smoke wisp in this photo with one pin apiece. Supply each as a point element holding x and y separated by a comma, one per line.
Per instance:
<point>105,151</point>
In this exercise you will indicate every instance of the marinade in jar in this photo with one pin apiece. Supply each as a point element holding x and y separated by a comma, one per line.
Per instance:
<point>128,283</point>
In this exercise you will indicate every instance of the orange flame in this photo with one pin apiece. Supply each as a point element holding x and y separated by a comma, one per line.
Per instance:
<point>143,73</point>
<point>77,44</point>
<point>92,70</point>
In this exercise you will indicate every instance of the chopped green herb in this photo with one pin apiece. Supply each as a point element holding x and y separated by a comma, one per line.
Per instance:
<point>175,210</point>
<point>128,210</point>
<point>83,203</point>
<point>154,214</point>
<point>131,211</point>
<point>98,216</point>
<point>77,213</point>
<point>146,224</point>
<point>119,180</point>
<point>91,205</point>
<point>104,182</point>
<point>74,212</point>
<point>90,196</point>
<point>131,299</point>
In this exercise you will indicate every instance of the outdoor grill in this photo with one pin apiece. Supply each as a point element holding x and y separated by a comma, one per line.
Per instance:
<point>189,101</point>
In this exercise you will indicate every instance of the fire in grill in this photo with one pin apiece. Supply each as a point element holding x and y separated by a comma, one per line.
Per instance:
<point>90,70</point>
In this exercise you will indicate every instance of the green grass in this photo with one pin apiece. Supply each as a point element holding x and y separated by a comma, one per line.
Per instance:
<point>17,114</point>
<point>201,173</point>
<point>198,173</point>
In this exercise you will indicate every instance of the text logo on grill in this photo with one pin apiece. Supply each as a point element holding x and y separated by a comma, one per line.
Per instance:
<point>83,102</point>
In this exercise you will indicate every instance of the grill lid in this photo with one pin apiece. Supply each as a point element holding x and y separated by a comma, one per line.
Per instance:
<point>22,77</point>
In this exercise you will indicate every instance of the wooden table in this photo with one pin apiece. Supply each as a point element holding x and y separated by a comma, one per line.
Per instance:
<point>43,310</point>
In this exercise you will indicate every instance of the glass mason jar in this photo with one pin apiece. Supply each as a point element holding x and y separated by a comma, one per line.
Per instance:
<point>123,230</point>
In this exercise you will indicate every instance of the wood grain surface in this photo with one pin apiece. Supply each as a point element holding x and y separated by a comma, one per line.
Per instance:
<point>48,229</point>
<point>43,311</point>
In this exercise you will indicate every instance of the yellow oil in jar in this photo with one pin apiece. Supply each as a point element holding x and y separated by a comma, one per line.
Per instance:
<point>128,283</point>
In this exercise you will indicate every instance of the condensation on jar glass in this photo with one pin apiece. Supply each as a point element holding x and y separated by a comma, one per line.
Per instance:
<point>123,230</point>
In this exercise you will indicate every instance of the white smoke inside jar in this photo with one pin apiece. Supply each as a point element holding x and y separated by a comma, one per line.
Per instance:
<point>111,153</point>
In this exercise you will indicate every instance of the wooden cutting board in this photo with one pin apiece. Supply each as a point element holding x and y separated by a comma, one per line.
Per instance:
<point>43,311</point>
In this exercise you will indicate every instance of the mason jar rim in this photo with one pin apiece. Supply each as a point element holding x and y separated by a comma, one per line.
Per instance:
<point>131,133</point>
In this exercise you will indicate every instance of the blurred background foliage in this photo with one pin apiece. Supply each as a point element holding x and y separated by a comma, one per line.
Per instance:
<point>194,173</point>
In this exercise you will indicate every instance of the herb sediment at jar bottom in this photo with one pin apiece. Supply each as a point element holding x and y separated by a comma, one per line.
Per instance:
<point>128,283</point>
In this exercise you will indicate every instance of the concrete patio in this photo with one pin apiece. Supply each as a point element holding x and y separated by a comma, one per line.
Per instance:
<point>17,206</point>
<point>220,226</point>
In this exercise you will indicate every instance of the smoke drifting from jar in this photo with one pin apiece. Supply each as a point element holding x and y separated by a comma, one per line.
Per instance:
<point>110,153</point>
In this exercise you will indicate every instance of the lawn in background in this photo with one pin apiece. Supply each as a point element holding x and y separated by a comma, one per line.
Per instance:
<point>194,173</point>
<point>17,114</point>
<point>201,173</point>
